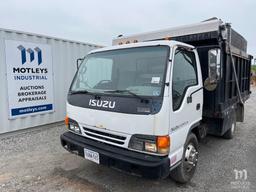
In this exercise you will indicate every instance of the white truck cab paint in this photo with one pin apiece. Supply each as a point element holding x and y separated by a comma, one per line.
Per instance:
<point>142,104</point>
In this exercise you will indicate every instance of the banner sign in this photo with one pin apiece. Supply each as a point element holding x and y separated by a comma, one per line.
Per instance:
<point>29,78</point>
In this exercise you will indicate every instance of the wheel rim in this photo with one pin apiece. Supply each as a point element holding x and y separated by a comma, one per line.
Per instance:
<point>191,157</point>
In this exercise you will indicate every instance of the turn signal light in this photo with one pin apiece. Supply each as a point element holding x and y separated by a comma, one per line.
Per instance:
<point>66,120</point>
<point>150,143</point>
<point>163,144</point>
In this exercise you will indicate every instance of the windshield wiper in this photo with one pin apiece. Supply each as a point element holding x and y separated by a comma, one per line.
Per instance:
<point>124,91</point>
<point>79,92</point>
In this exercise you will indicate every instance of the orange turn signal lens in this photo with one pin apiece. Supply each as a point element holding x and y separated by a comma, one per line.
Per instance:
<point>66,120</point>
<point>163,144</point>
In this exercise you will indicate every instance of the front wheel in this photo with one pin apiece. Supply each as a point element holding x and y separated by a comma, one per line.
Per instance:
<point>185,171</point>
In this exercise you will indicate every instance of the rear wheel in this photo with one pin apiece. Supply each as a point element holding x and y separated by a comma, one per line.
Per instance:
<point>185,171</point>
<point>231,131</point>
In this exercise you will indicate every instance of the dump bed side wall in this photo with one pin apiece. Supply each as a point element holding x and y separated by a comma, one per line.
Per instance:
<point>243,70</point>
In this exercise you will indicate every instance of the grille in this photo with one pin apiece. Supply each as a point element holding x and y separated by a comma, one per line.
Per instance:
<point>117,139</point>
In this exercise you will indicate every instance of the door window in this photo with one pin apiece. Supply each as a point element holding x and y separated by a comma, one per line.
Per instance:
<point>184,75</point>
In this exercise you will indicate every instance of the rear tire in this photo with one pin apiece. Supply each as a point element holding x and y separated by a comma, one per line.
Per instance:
<point>231,131</point>
<point>185,171</point>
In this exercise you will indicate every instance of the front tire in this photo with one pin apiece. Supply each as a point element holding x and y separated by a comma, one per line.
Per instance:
<point>185,171</point>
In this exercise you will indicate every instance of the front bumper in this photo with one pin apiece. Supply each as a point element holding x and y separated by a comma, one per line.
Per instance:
<point>148,166</point>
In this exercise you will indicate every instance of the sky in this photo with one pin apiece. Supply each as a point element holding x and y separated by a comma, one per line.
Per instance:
<point>99,21</point>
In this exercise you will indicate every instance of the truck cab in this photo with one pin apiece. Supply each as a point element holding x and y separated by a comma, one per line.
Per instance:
<point>143,104</point>
<point>136,97</point>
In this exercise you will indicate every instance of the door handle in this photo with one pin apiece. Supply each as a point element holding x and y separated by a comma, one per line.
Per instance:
<point>189,98</point>
<point>198,106</point>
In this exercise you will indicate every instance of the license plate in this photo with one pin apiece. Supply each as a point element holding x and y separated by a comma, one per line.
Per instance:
<point>92,155</point>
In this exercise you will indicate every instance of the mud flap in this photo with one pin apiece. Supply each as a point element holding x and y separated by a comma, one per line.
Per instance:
<point>240,112</point>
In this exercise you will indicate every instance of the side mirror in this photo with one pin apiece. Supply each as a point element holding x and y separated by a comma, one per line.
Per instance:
<point>214,69</point>
<point>79,61</point>
<point>208,85</point>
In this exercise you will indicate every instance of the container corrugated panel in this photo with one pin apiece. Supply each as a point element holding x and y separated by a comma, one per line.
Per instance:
<point>64,55</point>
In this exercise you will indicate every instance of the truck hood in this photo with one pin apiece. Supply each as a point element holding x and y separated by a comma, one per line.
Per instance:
<point>128,124</point>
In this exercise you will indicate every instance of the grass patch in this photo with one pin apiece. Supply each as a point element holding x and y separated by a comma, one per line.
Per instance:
<point>254,68</point>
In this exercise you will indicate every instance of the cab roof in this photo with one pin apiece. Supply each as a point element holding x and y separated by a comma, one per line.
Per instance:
<point>170,43</point>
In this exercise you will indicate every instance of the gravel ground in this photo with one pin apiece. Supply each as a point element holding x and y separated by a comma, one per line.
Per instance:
<point>35,161</point>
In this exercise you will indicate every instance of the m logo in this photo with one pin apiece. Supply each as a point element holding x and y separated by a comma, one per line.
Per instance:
<point>240,174</point>
<point>31,54</point>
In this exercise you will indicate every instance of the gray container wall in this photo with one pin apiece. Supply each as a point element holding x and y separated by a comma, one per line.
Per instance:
<point>64,55</point>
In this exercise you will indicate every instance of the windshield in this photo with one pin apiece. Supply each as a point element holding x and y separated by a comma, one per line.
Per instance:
<point>140,71</point>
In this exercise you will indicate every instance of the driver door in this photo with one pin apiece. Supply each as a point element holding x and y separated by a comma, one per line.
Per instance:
<point>186,81</point>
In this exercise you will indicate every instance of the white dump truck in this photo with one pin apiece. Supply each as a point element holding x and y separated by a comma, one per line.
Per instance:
<point>143,104</point>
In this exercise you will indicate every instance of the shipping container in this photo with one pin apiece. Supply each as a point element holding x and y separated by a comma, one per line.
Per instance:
<point>62,56</point>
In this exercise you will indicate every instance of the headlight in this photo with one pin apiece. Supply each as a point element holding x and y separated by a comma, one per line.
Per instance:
<point>150,147</point>
<point>72,125</point>
<point>152,144</point>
